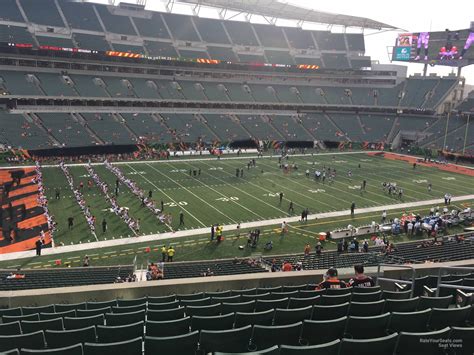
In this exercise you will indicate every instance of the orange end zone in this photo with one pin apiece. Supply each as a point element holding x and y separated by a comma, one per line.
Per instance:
<point>25,244</point>
<point>453,168</point>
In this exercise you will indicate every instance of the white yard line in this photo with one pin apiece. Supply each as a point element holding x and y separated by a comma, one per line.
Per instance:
<point>192,232</point>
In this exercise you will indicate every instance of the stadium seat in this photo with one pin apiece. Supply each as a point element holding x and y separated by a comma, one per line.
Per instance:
<point>248,291</point>
<point>274,350</point>
<point>10,312</point>
<point>124,318</point>
<point>211,310</point>
<point>310,293</point>
<point>92,312</point>
<point>255,297</point>
<point>46,316</point>
<point>27,341</point>
<point>198,302</point>
<point>128,309</point>
<point>34,326</point>
<point>233,340</point>
<point>70,350</point>
<point>396,295</point>
<point>365,289</point>
<point>65,338</point>
<point>367,327</point>
<point>280,295</point>
<point>12,328</point>
<point>223,322</point>
<point>466,335</point>
<point>402,305</point>
<point>190,296</point>
<point>238,307</point>
<point>129,347</point>
<point>227,293</point>
<point>410,321</point>
<point>68,307</point>
<point>98,305</point>
<point>108,334</point>
<point>264,305</point>
<point>331,348</point>
<point>262,290</point>
<point>334,300</point>
<point>365,309</point>
<point>338,291</point>
<point>366,297</point>
<point>30,317</point>
<point>290,316</point>
<point>11,352</point>
<point>330,312</point>
<point>161,299</point>
<point>230,299</point>
<point>441,317</point>
<point>434,302</point>
<point>261,318</point>
<point>132,302</point>
<point>416,344</point>
<point>180,344</point>
<point>166,314</point>
<point>295,302</point>
<point>265,336</point>
<point>290,288</point>
<point>36,310</point>
<point>322,331</point>
<point>167,305</point>
<point>168,328</point>
<point>83,322</point>
<point>374,346</point>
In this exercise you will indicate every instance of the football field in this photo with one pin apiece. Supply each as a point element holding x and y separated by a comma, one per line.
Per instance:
<point>217,196</point>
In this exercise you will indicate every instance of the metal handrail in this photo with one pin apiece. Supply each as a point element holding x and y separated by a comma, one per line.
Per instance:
<point>439,283</point>
<point>412,282</point>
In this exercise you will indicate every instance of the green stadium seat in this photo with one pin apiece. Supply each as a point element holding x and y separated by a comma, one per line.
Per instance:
<point>261,318</point>
<point>168,328</point>
<point>330,312</point>
<point>27,341</point>
<point>452,317</point>
<point>466,335</point>
<point>335,299</point>
<point>46,316</point>
<point>367,327</point>
<point>166,314</point>
<point>34,326</point>
<point>33,310</point>
<point>128,309</point>
<point>410,321</point>
<point>227,293</point>
<point>331,348</point>
<point>31,317</point>
<point>322,331</point>
<point>234,340</point>
<point>11,352</point>
<point>212,310</point>
<point>290,316</point>
<point>338,291</point>
<point>92,312</point>
<point>365,309</point>
<point>132,302</point>
<point>295,302</point>
<point>374,346</point>
<point>435,302</point>
<point>68,307</point>
<point>10,312</point>
<point>107,334</point>
<point>254,297</point>
<point>167,305</point>
<point>161,299</point>
<point>310,293</point>
<point>198,302</point>
<point>366,297</point>
<point>365,289</point>
<point>230,299</point>
<point>70,350</point>
<point>113,319</point>
<point>402,305</point>
<point>96,305</point>
<point>280,295</point>
<point>290,288</point>
<point>264,305</point>
<point>238,307</point>
<point>191,296</point>
<point>223,322</point>
<point>266,336</point>
<point>421,343</point>
<point>248,291</point>
<point>396,295</point>
<point>262,290</point>
<point>274,350</point>
<point>12,328</point>
<point>83,322</point>
<point>129,347</point>
<point>65,338</point>
<point>181,344</point>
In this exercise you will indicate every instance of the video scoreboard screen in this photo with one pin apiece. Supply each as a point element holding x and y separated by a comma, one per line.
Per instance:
<point>452,48</point>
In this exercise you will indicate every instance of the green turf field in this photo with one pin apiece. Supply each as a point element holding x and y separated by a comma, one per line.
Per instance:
<point>218,196</point>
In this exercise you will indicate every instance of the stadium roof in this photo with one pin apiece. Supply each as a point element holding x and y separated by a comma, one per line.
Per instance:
<point>275,8</point>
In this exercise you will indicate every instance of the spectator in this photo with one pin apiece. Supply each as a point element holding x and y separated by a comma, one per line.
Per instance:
<point>340,246</point>
<point>287,266</point>
<point>360,279</point>
<point>319,248</point>
<point>307,250</point>
<point>330,280</point>
<point>86,261</point>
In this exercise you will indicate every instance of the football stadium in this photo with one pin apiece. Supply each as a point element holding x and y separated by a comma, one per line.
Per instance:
<point>241,183</point>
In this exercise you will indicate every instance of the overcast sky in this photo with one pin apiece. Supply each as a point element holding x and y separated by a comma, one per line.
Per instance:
<point>413,16</point>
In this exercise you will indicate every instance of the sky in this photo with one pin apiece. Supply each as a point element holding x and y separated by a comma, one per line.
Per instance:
<point>412,16</point>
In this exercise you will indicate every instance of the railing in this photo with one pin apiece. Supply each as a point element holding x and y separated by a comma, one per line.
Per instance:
<point>413,275</point>
<point>439,283</point>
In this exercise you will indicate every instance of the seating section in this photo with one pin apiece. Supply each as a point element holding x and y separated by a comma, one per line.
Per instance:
<point>216,326</point>
<point>13,34</point>
<point>108,128</point>
<point>46,14</point>
<point>10,11</point>
<point>115,23</point>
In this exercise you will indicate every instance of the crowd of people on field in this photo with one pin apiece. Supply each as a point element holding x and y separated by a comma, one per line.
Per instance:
<point>43,200</point>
